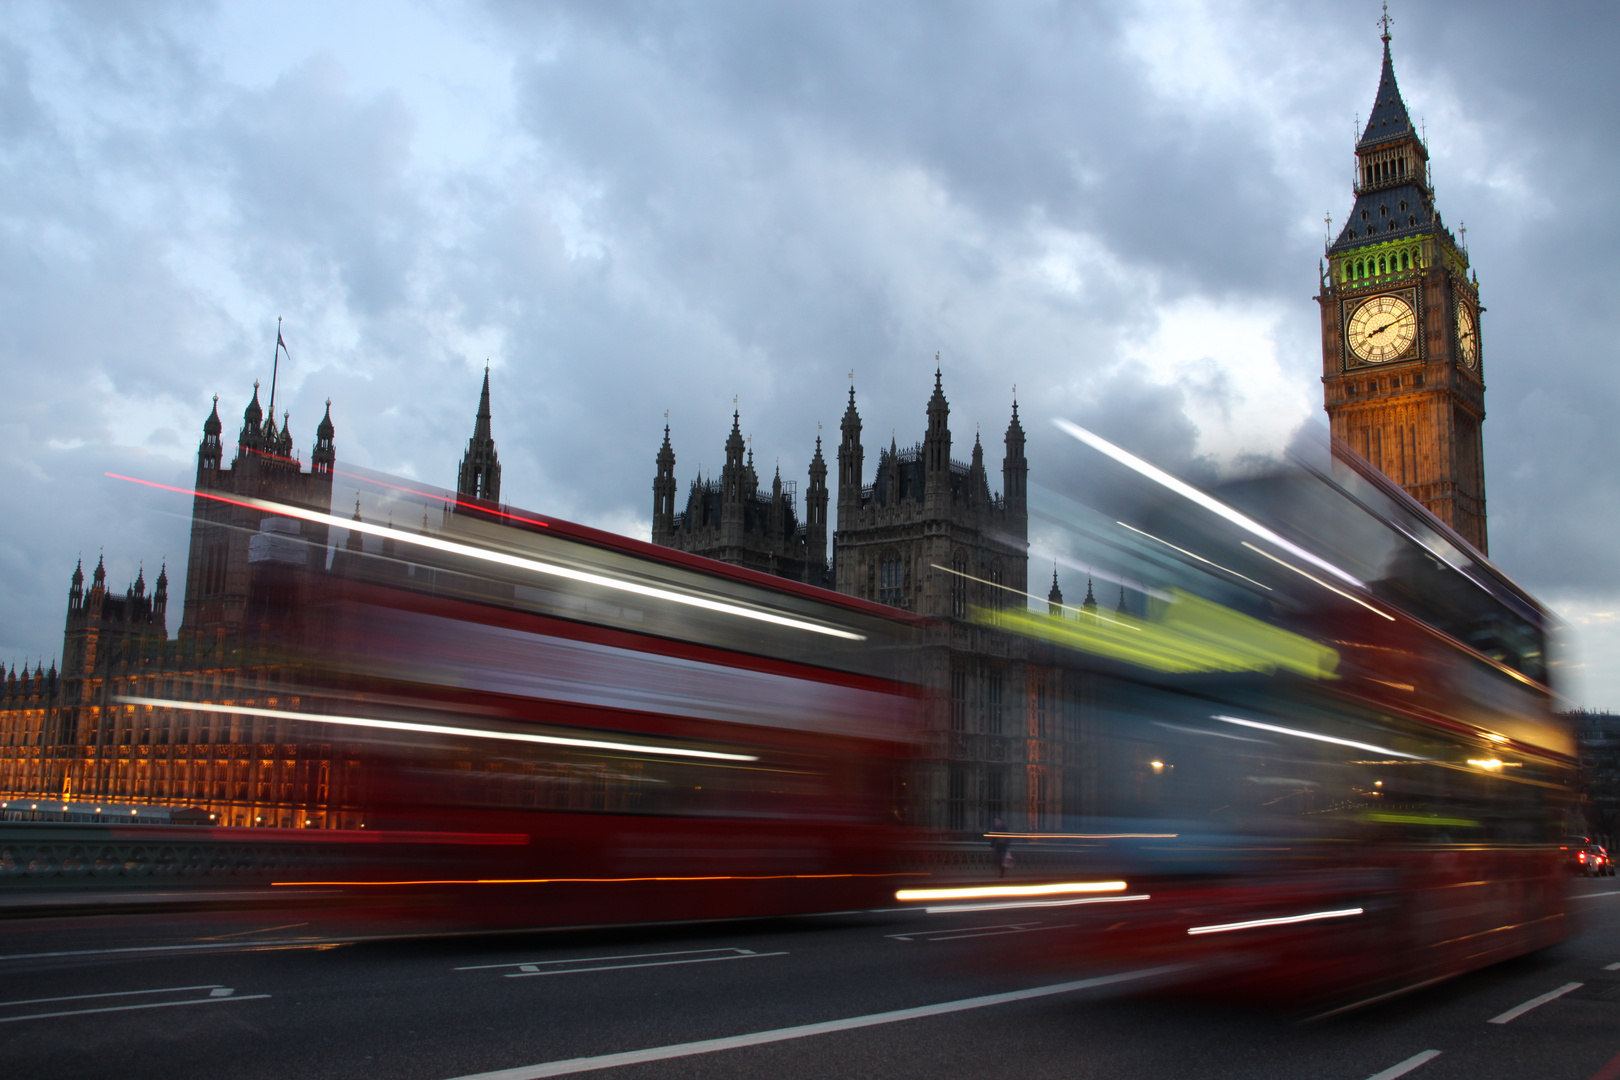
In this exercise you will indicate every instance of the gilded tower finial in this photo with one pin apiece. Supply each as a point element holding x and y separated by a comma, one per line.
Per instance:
<point>1384,21</point>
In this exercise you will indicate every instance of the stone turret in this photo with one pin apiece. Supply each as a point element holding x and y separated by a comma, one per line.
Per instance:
<point>664,488</point>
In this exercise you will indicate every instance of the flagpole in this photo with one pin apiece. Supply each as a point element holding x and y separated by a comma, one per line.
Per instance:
<point>274,366</point>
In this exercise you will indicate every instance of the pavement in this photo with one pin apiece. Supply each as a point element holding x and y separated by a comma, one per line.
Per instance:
<point>306,993</point>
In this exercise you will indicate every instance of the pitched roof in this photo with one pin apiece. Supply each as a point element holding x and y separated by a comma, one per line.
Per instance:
<point>1389,119</point>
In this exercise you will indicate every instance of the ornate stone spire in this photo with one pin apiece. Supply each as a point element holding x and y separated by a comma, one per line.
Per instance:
<point>480,474</point>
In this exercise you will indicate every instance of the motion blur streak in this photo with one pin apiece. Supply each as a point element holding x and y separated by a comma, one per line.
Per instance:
<point>1190,634</point>
<point>436,729</point>
<point>947,909</point>
<point>1319,581</point>
<point>1187,491</point>
<point>987,891</point>
<point>1086,836</point>
<point>1319,738</point>
<point>1286,920</point>
<point>521,563</point>
<point>387,532</point>
<point>1193,555</point>
<point>598,880</point>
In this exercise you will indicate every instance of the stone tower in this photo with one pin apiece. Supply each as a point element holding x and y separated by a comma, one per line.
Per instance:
<point>230,541</point>
<point>1402,366</point>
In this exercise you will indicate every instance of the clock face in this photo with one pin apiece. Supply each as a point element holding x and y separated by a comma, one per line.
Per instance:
<point>1382,329</point>
<point>1467,335</point>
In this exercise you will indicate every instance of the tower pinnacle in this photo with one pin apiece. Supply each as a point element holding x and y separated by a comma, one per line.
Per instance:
<point>480,474</point>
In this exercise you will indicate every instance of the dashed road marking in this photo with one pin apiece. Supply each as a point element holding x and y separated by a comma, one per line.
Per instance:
<point>1406,1066</point>
<point>581,965</point>
<point>1535,1002</point>
<point>216,995</point>
<point>759,1038</point>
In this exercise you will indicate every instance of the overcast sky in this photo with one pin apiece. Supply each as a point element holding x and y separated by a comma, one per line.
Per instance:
<point>640,207</point>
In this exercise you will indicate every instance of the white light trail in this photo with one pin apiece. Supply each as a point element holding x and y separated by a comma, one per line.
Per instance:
<point>438,729</point>
<point>948,908</point>
<point>1318,738</point>
<point>1192,554</point>
<point>1286,920</point>
<point>538,566</point>
<point>1187,491</point>
<point>1319,581</point>
<point>985,892</point>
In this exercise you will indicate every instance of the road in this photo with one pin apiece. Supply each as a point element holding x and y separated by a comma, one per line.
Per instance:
<point>871,994</point>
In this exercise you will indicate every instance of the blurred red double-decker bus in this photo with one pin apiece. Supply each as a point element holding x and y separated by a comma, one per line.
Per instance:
<point>622,732</point>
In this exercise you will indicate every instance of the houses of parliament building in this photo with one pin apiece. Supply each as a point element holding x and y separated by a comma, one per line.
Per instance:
<point>925,532</point>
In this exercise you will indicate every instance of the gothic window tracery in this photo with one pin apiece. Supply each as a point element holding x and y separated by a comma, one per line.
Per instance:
<point>891,579</point>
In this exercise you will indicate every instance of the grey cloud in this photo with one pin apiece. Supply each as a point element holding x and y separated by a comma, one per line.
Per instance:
<point>700,201</point>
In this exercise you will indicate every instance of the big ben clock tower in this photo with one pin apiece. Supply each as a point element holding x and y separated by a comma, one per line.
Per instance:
<point>1402,366</point>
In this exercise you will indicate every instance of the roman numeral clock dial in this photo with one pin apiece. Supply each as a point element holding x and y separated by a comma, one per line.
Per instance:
<point>1381,330</point>
<point>1467,335</point>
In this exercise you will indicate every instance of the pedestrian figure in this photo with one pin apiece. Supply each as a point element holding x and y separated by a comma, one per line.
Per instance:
<point>1000,847</point>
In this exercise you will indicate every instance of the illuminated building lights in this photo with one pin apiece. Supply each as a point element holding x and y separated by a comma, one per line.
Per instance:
<point>1213,505</point>
<point>1318,738</point>
<point>440,729</point>
<point>519,562</point>
<point>1286,920</point>
<point>987,892</point>
<point>1011,904</point>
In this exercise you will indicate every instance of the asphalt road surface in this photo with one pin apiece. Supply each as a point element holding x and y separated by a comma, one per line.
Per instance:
<point>864,994</point>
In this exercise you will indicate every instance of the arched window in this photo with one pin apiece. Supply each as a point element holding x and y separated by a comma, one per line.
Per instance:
<point>959,590</point>
<point>891,580</point>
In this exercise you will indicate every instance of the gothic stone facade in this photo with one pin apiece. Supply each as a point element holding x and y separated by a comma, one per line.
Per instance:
<point>77,736</point>
<point>732,521</point>
<point>926,535</point>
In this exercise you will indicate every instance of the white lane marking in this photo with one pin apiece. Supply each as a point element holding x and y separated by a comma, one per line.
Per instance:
<point>1611,967</point>
<point>133,1008</point>
<point>525,964</point>
<point>648,964</point>
<point>1406,1066</point>
<point>233,946</point>
<point>1535,1002</point>
<point>759,1038</point>
<point>1591,895</point>
<point>111,993</point>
